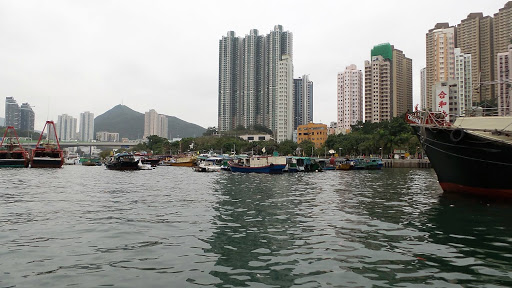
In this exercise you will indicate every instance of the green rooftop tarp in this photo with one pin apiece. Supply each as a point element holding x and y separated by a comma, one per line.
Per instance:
<point>385,50</point>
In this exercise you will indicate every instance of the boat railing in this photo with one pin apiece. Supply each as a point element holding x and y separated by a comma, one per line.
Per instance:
<point>427,118</point>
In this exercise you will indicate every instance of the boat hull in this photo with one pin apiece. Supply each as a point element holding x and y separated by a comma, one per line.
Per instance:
<point>466,162</point>
<point>269,169</point>
<point>183,164</point>
<point>122,166</point>
<point>14,159</point>
<point>46,162</point>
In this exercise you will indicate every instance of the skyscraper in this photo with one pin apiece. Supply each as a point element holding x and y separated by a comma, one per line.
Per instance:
<point>155,124</point>
<point>388,83</point>
<point>66,127</point>
<point>423,94</point>
<point>350,98</point>
<point>303,101</point>
<point>27,117</point>
<point>86,129</point>
<point>12,113</point>
<point>284,101</point>
<point>502,39</point>
<point>474,36</point>
<point>463,78</point>
<point>504,81</point>
<point>249,78</point>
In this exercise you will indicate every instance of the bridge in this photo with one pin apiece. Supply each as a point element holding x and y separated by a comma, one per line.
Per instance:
<point>66,144</point>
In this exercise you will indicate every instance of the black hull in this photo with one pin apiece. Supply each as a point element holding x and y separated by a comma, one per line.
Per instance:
<point>122,166</point>
<point>47,163</point>
<point>468,163</point>
<point>15,163</point>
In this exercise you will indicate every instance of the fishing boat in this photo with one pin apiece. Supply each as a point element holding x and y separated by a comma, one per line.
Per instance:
<point>368,163</point>
<point>186,161</point>
<point>210,164</point>
<point>47,155</point>
<point>122,161</point>
<point>472,155</point>
<point>12,153</point>
<point>72,159</point>
<point>346,164</point>
<point>259,164</point>
<point>327,164</point>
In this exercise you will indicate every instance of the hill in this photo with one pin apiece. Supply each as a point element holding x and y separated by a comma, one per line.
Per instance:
<point>130,124</point>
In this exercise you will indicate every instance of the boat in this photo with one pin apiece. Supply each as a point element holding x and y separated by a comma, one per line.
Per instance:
<point>122,161</point>
<point>307,164</point>
<point>72,159</point>
<point>47,155</point>
<point>259,164</point>
<point>144,166</point>
<point>12,154</point>
<point>472,155</point>
<point>372,163</point>
<point>210,164</point>
<point>186,161</point>
<point>327,164</point>
<point>346,164</point>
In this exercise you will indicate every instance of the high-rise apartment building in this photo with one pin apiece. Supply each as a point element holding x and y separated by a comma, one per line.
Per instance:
<point>155,124</point>
<point>463,78</point>
<point>86,129</point>
<point>388,84</point>
<point>350,98</point>
<point>502,38</point>
<point>423,91</point>
<point>66,127</point>
<point>27,117</point>
<point>249,78</point>
<point>284,101</point>
<point>474,36</point>
<point>12,113</point>
<point>303,101</point>
<point>504,81</point>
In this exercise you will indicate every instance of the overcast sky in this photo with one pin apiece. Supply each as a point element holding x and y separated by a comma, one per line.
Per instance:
<point>67,57</point>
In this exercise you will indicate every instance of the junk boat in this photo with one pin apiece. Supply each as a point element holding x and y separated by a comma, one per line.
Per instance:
<point>471,156</point>
<point>47,155</point>
<point>122,161</point>
<point>12,153</point>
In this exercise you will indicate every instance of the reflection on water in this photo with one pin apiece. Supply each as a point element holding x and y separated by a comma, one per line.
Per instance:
<point>171,227</point>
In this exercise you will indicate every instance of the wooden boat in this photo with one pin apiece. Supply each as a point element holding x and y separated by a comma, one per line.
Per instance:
<point>210,164</point>
<point>122,161</point>
<point>183,162</point>
<point>47,155</point>
<point>259,164</point>
<point>346,164</point>
<point>12,153</point>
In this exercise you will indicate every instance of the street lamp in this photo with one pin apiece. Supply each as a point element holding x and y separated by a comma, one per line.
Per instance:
<point>380,152</point>
<point>340,151</point>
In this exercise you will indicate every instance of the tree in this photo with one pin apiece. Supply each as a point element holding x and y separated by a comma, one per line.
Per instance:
<point>210,131</point>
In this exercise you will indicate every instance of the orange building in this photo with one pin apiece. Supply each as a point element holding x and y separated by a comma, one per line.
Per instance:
<point>316,133</point>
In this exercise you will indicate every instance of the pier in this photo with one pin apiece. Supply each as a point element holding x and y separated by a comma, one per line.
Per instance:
<point>406,163</point>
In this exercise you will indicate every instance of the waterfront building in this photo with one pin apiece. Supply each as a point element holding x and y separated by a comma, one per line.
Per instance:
<point>303,101</point>
<point>256,137</point>
<point>249,79</point>
<point>474,36</point>
<point>86,129</point>
<point>423,89</point>
<point>504,81</point>
<point>104,136</point>
<point>350,98</point>
<point>314,132</point>
<point>502,36</point>
<point>66,127</point>
<point>12,113</point>
<point>27,117</point>
<point>284,101</point>
<point>155,124</point>
<point>463,77</point>
<point>388,83</point>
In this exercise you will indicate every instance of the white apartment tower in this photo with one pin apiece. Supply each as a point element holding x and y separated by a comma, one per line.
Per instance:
<point>155,124</point>
<point>444,57</point>
<point>504,81</point>
<point>284,100</point>
<point>350,98</point>
<point>423,92</point>
<point>86,129</point>
<point>66,127</point>
<point>464,81</point>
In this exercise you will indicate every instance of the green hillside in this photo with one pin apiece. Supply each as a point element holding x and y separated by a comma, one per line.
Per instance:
<point>130,124</point>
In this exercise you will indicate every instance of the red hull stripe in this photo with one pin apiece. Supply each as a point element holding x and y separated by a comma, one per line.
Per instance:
<point>488,192</point>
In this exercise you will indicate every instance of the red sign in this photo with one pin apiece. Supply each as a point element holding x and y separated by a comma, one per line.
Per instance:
<point>442,104</point>
<point>442,95</point>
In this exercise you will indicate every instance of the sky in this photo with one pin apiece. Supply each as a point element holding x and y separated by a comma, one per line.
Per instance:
<point>67,57</point>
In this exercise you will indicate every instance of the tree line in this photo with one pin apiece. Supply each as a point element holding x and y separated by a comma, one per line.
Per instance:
<point>366,138</point>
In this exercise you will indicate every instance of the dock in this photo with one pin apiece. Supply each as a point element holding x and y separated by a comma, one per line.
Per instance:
<point>406,163</point>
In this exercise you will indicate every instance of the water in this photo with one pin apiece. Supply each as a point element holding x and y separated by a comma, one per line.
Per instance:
<point>172,227</point>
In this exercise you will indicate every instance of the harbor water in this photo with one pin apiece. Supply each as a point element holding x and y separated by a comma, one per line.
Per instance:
<point>171,227</point>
